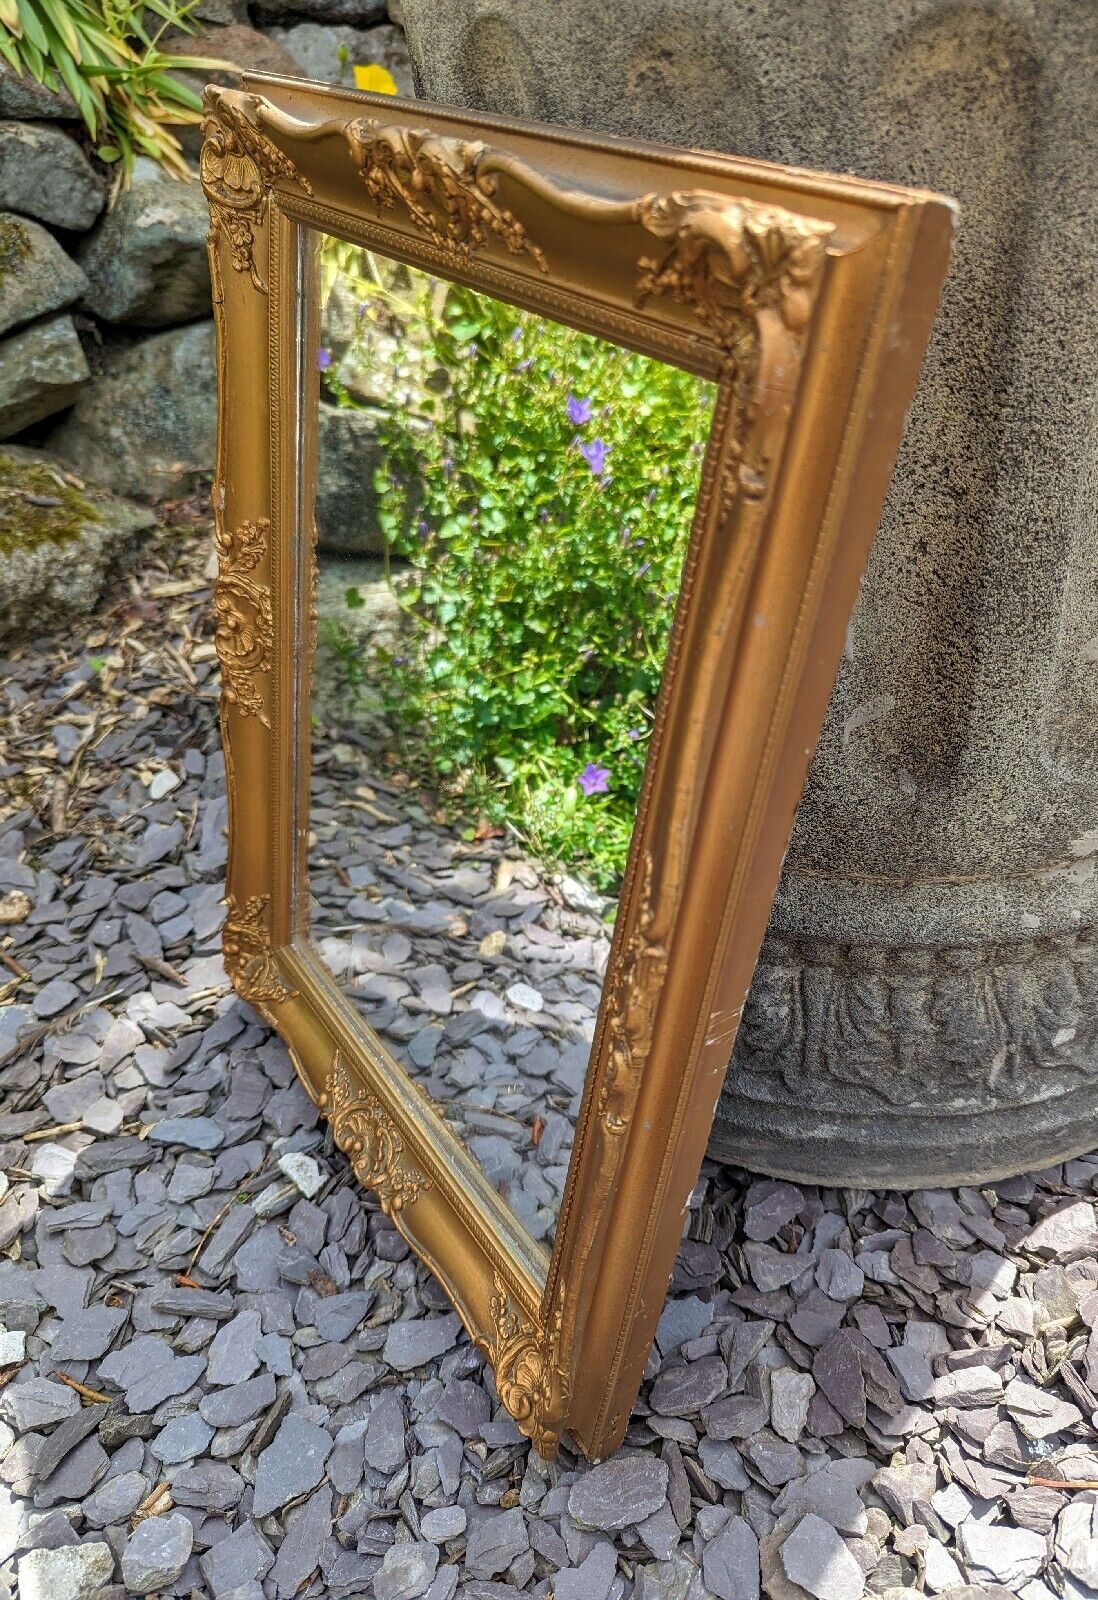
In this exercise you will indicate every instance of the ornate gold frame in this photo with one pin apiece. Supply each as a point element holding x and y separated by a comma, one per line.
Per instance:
<point>809,298</point>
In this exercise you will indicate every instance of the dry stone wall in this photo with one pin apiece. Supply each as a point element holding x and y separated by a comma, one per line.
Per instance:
<point>106,337</point>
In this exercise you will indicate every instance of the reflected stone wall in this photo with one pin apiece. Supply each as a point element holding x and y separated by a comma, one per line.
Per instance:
<point>926,1007</point>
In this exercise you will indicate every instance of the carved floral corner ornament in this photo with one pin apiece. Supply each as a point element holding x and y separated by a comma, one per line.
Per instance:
<point>530,1379</point>
<point>370,1140</point>
<point>246,949</point>
<point>731,260</point>
<point>237,167</point>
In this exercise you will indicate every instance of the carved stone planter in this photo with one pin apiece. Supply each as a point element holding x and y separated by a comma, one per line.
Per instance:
<point>926,1005</point>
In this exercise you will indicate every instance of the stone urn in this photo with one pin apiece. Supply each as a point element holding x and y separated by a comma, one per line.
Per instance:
<point>925,1009</point>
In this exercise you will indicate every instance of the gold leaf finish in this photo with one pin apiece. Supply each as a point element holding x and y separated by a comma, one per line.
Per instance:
<point>631,1000</point>
<point>440,183</point>
<point>370,1140</point>
<point>244,633</point>
<point>237,167</point>
<point>246,950</point>
<point>730,260</point>
<point>809,298</point>
<point>529,1381</point>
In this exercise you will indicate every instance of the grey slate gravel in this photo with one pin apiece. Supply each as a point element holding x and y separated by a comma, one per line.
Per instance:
<point>618,1493</point>
<point>292,1464</point>
<point>887,1366</point>
<point>412,1344</point>
<point>156,1553</point>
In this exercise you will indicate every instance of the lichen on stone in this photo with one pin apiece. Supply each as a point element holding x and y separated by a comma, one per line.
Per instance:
<point>15,244</point>
<point>38,505</point>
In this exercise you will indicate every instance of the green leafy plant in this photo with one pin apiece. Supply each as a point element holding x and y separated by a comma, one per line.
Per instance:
<point>543,504</point>
<point>124,85</point>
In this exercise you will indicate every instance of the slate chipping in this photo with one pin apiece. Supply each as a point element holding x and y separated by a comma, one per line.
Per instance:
<point>867,1392</point>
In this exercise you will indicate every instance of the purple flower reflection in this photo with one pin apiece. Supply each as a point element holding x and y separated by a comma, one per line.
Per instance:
<point>323,358</point>
<point>595,456</point>
<point>593,779</point>
<point>579,411</point>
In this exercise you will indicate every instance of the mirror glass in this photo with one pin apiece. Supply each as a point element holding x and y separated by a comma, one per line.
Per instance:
<point>503,507</point>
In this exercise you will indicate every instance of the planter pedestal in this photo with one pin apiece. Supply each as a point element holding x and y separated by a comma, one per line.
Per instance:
<point>926,1006</point>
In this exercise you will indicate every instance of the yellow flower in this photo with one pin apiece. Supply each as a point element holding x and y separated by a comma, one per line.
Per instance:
<point>375,79</point>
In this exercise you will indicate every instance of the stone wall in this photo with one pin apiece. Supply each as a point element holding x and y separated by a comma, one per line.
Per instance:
<point>106,338</point>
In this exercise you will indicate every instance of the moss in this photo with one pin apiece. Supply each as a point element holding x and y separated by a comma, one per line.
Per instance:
<point>15,243</point>
<point>37,505</point>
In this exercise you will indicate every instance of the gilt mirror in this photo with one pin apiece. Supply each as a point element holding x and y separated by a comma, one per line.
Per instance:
<point>516,726</point>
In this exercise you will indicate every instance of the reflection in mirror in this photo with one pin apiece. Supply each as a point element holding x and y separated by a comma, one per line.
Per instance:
<point>503,506</point>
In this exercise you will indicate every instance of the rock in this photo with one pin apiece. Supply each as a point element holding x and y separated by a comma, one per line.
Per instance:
<point>13,1347</point>
<point>495,1540</point>
<point>243,1557</point>
<point>900,1487</point>
<point>838,1372</point>
<point>239,1403</point>
<point>447,1522</point>
<point>776,1460</point>
<point>87,1335</point>
<point>384,1447</point>
<point>352,13</point>
<point>790,1397</point>
<point>193,1133</point>
<point>303,1172</point>
<point>592,1579</point>
<point>838,1276</point>
<point>116,1499</point>
<point>1038,1413</point>
<point>406,1571</point>
<point>45,174</point>
<point>233,1355</point>
<point>618,1493</point>
<point>1005,1555</point>
<point>22,97</point>
<point>36,276</point>
<point>329,52</point>
<point>156,1553</point>
<point>524,997</point>
<point>183,1439</point>
<point>814,1557</point>
<point>42,370</point>
<point>246,47</point>
<point>832,1493</point>
<point>349,452</point>
<point>73,1572</point>
<point>212,1485</point>
<point>1076,1544</point>
<point>683,1318</point>
<point>412,1344</point>
<point>1071,1228</point>
<point>939,1568</point>
<point>723,1463</point>
<point>145,425</point>
<point>969,1386</point>
<point>913,1370</point>
<point>37,1402</point>
<point>300,1552</point>
<point>679,1391</point>
<point>291,1465</point>
<point>730,1562</point>
<point>146,261</point>
<point>103,1116</point>
<point>150,1372</point>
